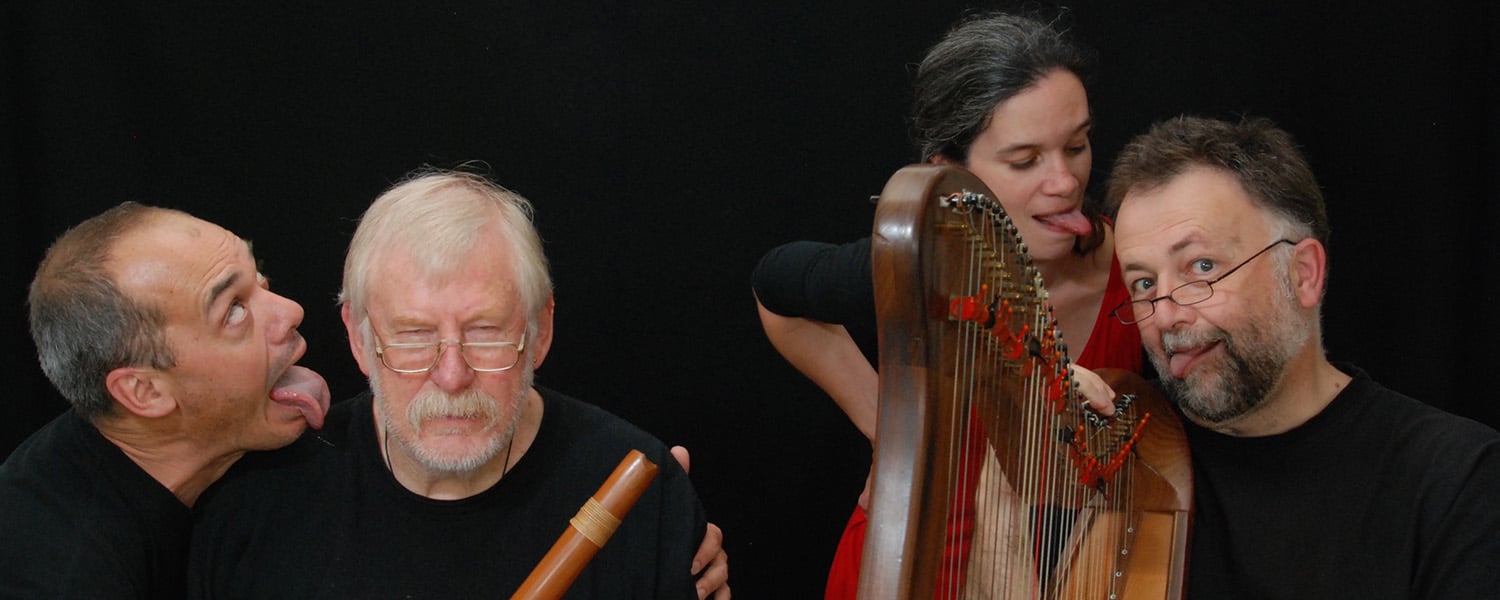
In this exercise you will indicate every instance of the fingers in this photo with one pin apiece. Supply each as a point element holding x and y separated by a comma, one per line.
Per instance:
<point>681,454</point>
<point>714,578</point>
<point>711,548</point>
<point>1096,394</point>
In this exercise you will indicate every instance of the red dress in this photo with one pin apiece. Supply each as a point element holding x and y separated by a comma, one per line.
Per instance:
<point>1110,345</point>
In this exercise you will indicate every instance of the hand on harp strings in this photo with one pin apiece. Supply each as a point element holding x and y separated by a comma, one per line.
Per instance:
<point>1097,394</point>
<point>587,532</point>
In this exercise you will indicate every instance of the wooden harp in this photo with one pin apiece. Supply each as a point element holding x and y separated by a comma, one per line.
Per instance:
<point>587,532</point>
<point>990,478</point>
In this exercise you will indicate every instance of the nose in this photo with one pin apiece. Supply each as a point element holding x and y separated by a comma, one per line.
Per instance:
<point>284,317</point>
<point>1059,179</point>
<point>1170,314</point>
<point>451,373</point>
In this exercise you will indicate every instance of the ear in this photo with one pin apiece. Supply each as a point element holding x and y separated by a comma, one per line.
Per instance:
<point>1309,271</point>
<point>356,339</point>
<point>141,391</point>
<point>939,159</point>
<point>543,333</point>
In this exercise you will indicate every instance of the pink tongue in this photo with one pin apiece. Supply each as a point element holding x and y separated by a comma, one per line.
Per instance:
<point>305,391</point>
<point>1179,361</point>
<point>1073,222</point>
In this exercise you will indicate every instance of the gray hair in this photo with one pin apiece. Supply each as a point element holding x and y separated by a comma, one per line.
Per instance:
<point>82,324</point>
<point>437,216</point>
<point>984,61</point>
<point>1262,157</point>
<point>981,62</point>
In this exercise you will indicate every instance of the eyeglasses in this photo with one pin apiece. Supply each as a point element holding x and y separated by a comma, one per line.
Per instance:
<point>1187,294</point>
<point>484,357</point>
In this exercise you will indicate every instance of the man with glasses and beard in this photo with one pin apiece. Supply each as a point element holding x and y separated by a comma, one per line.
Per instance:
<point>455,474</point>
<point>1311,479</point>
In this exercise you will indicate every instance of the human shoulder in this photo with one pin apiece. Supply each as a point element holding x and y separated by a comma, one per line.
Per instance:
<point>791,259</point>
<point>590,441</point>
<point>52,446</point>
<point>1440,473</point>
<point>579,422</point>
<point>80,517</point>
<point>1403,416</point>
<point>1406,441</point>
<point>316,460</point>
<point>822,281</point>
<point>70,462</point>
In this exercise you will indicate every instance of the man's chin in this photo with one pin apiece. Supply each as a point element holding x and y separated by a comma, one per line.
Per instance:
<point>1205,403</point>
<point>457,451</point>
<point>448,427</point>
<point>279,435</point>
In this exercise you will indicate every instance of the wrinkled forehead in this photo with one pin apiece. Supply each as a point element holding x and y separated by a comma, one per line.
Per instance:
<point>477,284</point>
<point>1202,206</point>
<point>181,265</point>
<point>177,247</point>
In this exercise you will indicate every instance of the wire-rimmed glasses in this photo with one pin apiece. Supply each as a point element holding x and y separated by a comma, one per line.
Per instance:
<point>421,357</point>
<point>1187,294</point>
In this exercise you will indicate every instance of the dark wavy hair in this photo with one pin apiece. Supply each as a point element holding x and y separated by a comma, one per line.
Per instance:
<point>984,60</point>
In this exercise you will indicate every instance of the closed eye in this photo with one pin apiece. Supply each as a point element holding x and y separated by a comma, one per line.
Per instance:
<point>484,333</point>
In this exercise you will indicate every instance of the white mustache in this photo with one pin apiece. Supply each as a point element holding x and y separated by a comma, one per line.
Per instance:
<point>1174,341</point>
<point>437,404</point>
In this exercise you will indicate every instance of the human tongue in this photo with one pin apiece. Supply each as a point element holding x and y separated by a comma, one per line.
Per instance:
<point>304,390</point>
<point>1072,221</point>
<point>1181,360</point>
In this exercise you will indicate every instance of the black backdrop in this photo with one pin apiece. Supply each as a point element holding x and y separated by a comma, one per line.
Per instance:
<point>667,146</point>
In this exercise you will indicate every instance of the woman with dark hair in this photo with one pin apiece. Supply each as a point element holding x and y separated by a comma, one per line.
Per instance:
<point>1003,96</point>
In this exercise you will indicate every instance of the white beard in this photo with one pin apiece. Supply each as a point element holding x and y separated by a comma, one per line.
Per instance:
<point>469,403</point>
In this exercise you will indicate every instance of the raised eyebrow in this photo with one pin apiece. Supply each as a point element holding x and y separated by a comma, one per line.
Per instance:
<point>228,282</point>
<point>1130,266</point>
<point>1173,250</point>
<point>1178,247</point>
<point>218,291</point>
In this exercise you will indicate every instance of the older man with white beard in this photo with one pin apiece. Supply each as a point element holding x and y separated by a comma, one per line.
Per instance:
<point>455,475</point>
<point>1311,479</point>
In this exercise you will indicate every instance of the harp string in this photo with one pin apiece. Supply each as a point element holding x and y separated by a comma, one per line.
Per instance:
<point>1020,527</point>
<point>976,403</point>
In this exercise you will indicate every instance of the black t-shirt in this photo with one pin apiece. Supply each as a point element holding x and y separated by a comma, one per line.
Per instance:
<point>1378,496</point>
<point>324,518</point>
<point>79,519</point>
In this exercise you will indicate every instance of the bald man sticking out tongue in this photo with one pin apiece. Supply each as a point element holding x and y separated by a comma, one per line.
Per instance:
<point>177,359</point>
